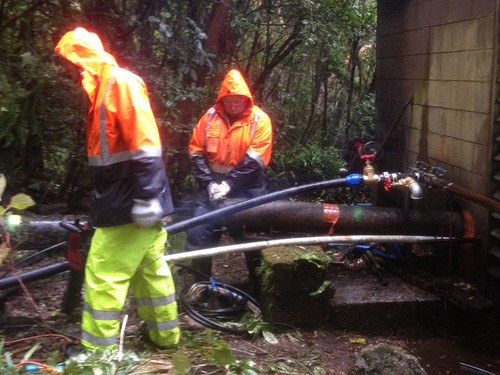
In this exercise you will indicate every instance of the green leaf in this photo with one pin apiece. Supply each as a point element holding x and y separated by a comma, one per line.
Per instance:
<point>136,43</point>
<point>322,288</point>
<point>222,353</point>
<point>181,363</point>
<point>4,252</point>
<point>282,368</point>
<point>3,184</point>
<point>209,335</point>
<point>269,337</point>
<point>28,59</point>
<point>8,359</point>
<point>248,367</point>
<point>312,258</point>
<point>21,201</point>
<point>30,352</point>
<point>250,371</point>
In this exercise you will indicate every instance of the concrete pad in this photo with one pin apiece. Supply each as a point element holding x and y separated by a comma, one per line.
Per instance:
<point>362,303</point>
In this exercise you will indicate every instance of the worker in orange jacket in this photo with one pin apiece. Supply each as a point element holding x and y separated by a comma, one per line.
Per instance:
<point>131,195</point>
<point>229,151</point>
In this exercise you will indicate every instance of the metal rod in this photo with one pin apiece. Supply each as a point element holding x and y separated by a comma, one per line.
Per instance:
<point>258,245</point>
<point>391,129</point>
<point>466,193</point>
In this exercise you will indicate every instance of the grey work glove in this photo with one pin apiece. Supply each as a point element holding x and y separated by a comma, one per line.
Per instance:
<point>222,191</point>
<point>146,213</point>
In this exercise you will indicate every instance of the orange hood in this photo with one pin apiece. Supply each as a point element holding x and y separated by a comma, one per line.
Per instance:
<point>85,50</point>
<point>234,84</point>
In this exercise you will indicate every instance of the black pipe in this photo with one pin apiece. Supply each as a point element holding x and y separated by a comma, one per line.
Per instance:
<point>312,218</point>
<point>38,256</point>
<point>351,180</point>
<point>37,274</point>
<point>35,233</point>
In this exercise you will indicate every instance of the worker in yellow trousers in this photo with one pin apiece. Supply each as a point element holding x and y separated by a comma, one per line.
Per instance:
<point>109,271</point>
<point>131,196</point>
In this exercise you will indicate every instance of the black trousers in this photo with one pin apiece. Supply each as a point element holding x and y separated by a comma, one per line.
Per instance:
<point>208,234</point>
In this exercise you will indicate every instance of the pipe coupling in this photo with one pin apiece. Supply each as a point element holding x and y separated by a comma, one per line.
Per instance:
<point>415,189</point>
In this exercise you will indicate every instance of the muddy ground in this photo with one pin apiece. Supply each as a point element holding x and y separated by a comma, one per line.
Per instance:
<point>440,351</point>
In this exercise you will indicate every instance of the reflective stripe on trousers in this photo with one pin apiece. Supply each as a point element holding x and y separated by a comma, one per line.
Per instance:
<point>120,257</point>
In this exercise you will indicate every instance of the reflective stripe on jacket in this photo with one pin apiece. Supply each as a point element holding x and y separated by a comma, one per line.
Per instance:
<point>123,142</point>
<point>239,151</point>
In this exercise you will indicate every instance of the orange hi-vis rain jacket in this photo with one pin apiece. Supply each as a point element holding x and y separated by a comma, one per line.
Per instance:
<point>237,153</point>
<point>123,143</point>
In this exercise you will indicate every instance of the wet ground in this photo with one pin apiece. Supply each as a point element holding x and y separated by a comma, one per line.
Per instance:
<point>438,335</point>
<point>444,338</point>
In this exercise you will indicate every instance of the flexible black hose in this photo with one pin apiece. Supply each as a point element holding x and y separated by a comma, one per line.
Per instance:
<point>207,322</point>
<point>205,317</point>
<point>475,369</point>
<point>353,180</point>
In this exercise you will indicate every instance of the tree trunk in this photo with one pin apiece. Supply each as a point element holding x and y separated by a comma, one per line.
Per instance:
<point>324,127</point>
<point>353,63</point>
<point>220,43</point>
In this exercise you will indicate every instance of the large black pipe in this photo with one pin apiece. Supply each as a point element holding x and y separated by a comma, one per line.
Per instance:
<point>37,232</point>
<point>315,218</point>
<point>302,217</point>
<point>244,205</point>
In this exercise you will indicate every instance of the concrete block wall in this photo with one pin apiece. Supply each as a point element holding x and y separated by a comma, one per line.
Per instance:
<point>442,53</point>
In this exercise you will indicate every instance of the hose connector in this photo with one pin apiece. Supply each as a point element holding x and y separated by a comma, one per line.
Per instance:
<point>354,180</point>
<point>416,191</point>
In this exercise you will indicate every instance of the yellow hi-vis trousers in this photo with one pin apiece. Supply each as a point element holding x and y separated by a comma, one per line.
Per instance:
<point>121,256</point>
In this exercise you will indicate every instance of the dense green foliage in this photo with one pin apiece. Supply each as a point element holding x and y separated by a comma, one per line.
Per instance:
<point>310,65</point>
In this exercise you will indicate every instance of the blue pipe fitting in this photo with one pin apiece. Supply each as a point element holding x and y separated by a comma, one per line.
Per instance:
<point>354,180</point>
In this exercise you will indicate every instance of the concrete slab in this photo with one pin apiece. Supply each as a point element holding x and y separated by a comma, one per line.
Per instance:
<point>362,303</point>
<point>363,287</point>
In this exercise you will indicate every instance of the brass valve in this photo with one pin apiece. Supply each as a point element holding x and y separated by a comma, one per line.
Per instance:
<point>369,175</point>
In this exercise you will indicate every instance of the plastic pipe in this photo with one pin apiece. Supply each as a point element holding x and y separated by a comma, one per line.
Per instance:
<point>258,245</point>
<point>37,274</point>
<point>353,180</point>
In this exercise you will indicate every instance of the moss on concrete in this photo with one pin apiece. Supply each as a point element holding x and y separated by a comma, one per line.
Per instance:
<point>288,277</point>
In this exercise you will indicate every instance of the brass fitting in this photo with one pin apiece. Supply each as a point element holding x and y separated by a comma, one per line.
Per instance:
<point>412,185</point>
<point>369,175</point>
<point>404,182</point>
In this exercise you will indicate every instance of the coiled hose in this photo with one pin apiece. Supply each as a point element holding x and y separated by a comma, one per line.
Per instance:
<point>216,305</point>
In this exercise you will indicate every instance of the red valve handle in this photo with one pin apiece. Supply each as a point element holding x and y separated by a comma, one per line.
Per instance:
<point>387,184</point>
<point>367,156</point>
